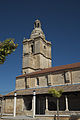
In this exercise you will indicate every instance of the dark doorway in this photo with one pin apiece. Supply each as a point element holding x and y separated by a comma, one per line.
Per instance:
<point>27,102</point>
<point>40,105</point>
<point>74,101</point>
<point>0,109</point>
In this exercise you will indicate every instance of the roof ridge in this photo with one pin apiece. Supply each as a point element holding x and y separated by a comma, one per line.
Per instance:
<point>52,69</point>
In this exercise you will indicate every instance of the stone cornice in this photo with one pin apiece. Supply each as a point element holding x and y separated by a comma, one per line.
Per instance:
<point>29,40</point>
<point>26,54</point>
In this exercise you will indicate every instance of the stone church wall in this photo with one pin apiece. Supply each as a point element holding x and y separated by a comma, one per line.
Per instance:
<point>8,105</point>
<point>19,105</point>
<point>20,83</point>
<point>76,76</point>
<point>49,79</point>
<point>57,79</point>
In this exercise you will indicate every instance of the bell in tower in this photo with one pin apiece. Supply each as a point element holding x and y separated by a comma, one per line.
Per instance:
<point>37,31</point>
<point>36,51</point>
<point>37,24</point>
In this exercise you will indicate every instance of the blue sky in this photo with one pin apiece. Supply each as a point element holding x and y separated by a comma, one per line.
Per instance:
<point>60,22</point>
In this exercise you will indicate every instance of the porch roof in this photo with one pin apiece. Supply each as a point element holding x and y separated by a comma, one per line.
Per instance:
<point>44,90</point>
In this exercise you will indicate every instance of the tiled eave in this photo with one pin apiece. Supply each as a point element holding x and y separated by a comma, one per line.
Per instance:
<point>0,95</point>
<point>44,90</point>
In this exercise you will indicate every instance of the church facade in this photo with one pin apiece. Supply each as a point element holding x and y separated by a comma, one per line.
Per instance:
<point>31,96</point>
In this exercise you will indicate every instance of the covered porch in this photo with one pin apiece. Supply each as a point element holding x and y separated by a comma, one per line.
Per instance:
<point>46,104</point>
<point>37,101</point>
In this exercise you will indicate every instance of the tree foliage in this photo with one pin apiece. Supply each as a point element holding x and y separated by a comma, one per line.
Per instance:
<point>56,93</point>
<point>6,48</point>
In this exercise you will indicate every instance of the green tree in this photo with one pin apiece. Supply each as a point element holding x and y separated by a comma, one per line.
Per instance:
<point>6,48</point>
<point>56,94</point>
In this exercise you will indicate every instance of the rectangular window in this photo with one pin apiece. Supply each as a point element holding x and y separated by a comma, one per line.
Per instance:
<point>26,85</point>
<point>48,80</point>
<point>66,77</point>
<point>32,48</point>
<point>37,81</point>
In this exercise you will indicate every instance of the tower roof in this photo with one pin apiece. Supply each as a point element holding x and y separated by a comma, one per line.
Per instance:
<point>37,31</point>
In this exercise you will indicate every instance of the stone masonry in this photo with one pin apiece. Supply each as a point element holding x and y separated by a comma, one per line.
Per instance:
<point>48,79</point>
<point>36,51</point>
<point>32,87</point>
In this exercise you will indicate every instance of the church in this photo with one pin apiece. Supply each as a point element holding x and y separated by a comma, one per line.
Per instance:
<point>31,96</point>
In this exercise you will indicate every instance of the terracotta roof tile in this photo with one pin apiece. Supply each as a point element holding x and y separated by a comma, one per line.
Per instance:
<point>53,69</point>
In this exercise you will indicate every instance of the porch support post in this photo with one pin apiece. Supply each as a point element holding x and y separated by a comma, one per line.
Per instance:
<point>14,104</point>
<point>34,103</point>
<point>46,103</point>
<point>66,98</point>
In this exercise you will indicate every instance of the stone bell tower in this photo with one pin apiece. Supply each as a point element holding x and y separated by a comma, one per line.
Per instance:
<point>36,51</point>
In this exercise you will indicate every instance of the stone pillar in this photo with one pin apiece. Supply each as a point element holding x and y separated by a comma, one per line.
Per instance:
<point>14,104</point>
<point>23,104</point>
<point>46,103</point>
<point>66,98</point>
<point>34,103</point>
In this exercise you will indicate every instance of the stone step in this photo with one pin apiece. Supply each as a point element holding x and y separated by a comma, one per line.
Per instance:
<point>18,118</point>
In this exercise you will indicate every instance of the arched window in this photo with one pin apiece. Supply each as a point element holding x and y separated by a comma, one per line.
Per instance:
<point>32,49</point>
<point>38,24</point>
<point>44,47</point>
<point>35,25</point>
